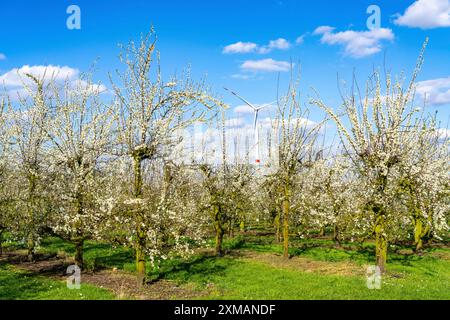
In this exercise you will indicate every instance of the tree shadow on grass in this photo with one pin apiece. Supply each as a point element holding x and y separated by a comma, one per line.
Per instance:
<point>330,252</point>
<point>201,268</point>
<point>97,256</point>
<point>407,259</point>
<point>20,285</point>
<point>113,260</point>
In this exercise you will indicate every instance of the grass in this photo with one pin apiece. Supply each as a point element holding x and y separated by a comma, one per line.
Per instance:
<point>234,277</point>
<point>96,255</point>
<point>426,278</point>
<point>20,285</point>
<point>409,277</point>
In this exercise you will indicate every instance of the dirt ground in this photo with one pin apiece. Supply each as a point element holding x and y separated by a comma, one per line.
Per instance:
<point>121,283</point>
<point>303,264</point>
<point>124,285</point>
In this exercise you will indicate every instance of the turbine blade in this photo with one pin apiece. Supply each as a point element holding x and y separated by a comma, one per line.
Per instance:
<point>266,105</point>
<point>245,101</point>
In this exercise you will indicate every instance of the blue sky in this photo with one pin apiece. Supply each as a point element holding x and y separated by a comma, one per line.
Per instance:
<point>199,32</point>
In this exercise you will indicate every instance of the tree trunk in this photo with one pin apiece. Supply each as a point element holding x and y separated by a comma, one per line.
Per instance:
<point>381,245</point>
<point>242,225</point>
<point>419,234</point>
<point>32,181</point>
<point>286,208</point>
<point>79,244</point>
<point>140,258</point>
<point>79,240</point>
<point>231,228</point>
<point>419,245</point>
<point>219,239</point>
<point>140,233</point>
<point>322,232</point>
<point>277,225</point>
<point>219,231</point>
<point>337,242</point>
<point>31,248</point>
<point>1,243</point>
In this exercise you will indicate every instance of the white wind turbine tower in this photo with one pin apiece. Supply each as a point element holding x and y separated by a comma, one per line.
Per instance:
<point>255,125</point>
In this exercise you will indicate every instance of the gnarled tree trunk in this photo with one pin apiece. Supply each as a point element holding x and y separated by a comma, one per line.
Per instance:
<point>219,231</point>
<point>31,253</point>
<point>79,245</point>
<point>381,244</point>
<point>337,242</point>
<point>140,232</point>
<point>277,226</point>
<point>286,211</point>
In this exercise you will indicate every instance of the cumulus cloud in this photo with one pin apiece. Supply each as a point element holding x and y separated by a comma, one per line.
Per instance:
<point>79,84</point>
<point>249,47</point>
<point>322,30</point>
<point>426,14</point>
<point>17,76</point>
<point>15,80</point>
<point>300,39</point>
<point>234,122</point>
<point>280,44</point>
<point>436,91</point>
<point>243,109</point>
<point>268,123</point>
<point>356,44</point>
<point>443,133</point>
<point>240,47</point>
<point>204,143</point>
<point>266,65</point>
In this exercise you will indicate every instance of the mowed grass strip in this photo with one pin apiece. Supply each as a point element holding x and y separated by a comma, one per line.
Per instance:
<point>257,271</point>
<point>16,284</point>
<point>250,279</point>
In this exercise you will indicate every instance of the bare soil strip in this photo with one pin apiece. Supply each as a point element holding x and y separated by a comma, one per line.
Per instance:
<point>342,268</point>
<point>121,283</point>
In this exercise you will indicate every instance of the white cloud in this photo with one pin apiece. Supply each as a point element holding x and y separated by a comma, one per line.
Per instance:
<point>267,65</point>
<point>300,39</point>
<point>426,14</point>
<point>234,122</point>
<point>17,76</point>
<point>243,109</point>
<point>322,30</point>
<point>84,85</point>
<point>240,47</point>
<point>249,47</point>
<point>15,80</point>
<point>280,44</point>
<point>204,143</point>
<point>357,44</point>
<point>2,56</point>
<point>268,123</point>
<point>436,91</point>
<point>443,133</point>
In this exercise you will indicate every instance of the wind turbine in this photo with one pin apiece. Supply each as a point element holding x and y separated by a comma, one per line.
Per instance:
<point>255,124</point>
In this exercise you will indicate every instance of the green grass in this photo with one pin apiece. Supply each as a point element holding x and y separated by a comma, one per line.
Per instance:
<point>96,255</point>
<point>20,285</point>
<point>409,277</point>
<point>426,278</point>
